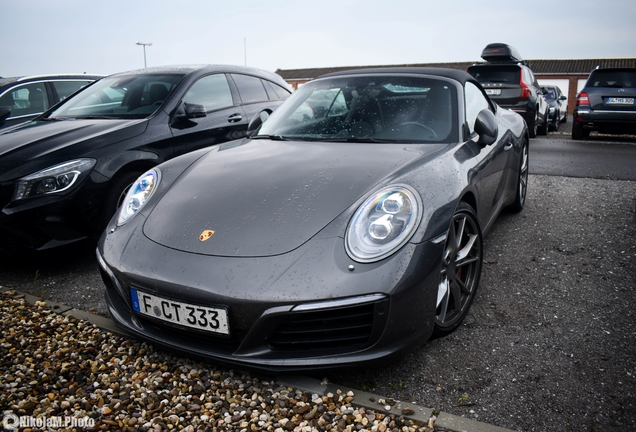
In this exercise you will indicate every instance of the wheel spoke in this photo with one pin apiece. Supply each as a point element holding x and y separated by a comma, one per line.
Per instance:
<point>463,253</point>
<point>442,290</point>
<point>460,232</point>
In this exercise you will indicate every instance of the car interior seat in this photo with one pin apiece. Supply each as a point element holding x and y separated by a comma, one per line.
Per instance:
<point>158,93</point>
<point>36,100</point>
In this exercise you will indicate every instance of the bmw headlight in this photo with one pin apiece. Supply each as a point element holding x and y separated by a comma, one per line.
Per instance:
<point>138,195</point>
<point>552,109</point>
<point>55,179</point>
<point>383,224</point>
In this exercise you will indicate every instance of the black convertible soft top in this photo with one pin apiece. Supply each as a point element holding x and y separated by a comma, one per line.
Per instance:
<point>455,74</point>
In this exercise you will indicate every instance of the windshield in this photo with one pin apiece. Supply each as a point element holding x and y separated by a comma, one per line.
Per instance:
<point>368,109</point>
<point>549,94</point>
<point>121,97</point>
<point>612,78</point>
<point>495,74</point>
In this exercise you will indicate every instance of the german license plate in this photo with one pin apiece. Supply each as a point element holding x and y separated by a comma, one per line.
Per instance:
<point>619,101</point>
<point>184,314</point>
<point>493,92</point>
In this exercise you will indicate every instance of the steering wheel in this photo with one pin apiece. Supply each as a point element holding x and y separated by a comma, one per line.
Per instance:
<point>420,125</point>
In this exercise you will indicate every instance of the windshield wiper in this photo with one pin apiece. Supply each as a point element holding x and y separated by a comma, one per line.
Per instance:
<point>51,119</point>
<point>95,117</point>
<point>364,140</point>
<point>272,137</point>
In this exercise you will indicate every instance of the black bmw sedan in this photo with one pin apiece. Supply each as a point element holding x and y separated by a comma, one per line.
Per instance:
<point>64,174</point>
<point>346,228</point>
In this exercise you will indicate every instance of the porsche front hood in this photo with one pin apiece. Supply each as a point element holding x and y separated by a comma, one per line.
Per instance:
<point>263,198</point>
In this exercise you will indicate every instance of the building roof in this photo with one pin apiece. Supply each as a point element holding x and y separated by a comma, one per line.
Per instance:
<point>539,67</point>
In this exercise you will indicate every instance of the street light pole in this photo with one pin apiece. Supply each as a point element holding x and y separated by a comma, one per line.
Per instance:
<point>144,44</point>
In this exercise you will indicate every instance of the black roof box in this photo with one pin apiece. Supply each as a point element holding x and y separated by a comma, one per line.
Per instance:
<point>500,52</point>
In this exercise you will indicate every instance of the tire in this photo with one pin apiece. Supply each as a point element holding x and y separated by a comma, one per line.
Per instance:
<point>532,126</point>
<point>578,133</point>
<point>557,122</point>
<point>461,269</point>
<point>116,194</point>
<point>522,180</point>
<point>543,129</point>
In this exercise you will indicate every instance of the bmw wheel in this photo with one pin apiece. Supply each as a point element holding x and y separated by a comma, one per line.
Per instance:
<point>461,270</point>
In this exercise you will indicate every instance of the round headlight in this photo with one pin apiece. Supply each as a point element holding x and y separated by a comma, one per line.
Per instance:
<point>138,195</point>
<point>383,224</point>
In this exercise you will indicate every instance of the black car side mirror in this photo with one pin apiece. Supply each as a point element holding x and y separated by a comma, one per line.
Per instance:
<point>4,114</point>
<point>189,110</point>
<point>562,98</point>
<point>486,127</point>
<point>257,121</point>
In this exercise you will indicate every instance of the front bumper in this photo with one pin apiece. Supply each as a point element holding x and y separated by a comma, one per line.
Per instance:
<point>49,221</point>
<point>301,310</point>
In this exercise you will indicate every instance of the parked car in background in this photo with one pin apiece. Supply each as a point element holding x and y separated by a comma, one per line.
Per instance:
<point>23,98</point>
<point>558,105</point>
<point>346,229</point>
<point>63,175</point>
<point>606,103</point>
<point>510,82</point>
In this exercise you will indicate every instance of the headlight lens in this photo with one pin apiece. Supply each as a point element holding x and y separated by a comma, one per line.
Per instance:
<point>383,224</point>
<point>55,179</point>
<point>138,195</point>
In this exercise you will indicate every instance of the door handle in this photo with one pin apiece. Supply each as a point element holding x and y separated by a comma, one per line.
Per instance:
<point>508,146</point>
<point>235,118</point>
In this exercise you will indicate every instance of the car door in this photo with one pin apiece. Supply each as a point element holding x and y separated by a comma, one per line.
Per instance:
<point>224,118</point>
<point>491,173</point>
<point>25,102</point>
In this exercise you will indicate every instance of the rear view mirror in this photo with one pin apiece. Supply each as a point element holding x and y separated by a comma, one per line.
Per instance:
<point>4,114</point>
<point>257,121</point>
<point>562,98</point>
<point>189,110</point>
<point>486,127</point>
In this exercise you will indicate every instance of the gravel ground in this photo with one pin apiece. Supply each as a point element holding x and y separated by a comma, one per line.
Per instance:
<point>56,367</point>
<point>548,344</point>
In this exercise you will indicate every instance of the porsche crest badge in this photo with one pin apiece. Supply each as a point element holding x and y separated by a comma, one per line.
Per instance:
<point>205,235</point>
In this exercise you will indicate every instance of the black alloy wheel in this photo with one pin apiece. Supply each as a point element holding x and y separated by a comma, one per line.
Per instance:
<point>543,129</point>
<point>557,122</point>
<point>578,133</point>
<point>532,126</point>
<point>522,180</point>
<point>461,270</point>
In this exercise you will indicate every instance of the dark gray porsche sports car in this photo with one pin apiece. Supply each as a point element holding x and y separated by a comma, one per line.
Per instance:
<point>346,228</point>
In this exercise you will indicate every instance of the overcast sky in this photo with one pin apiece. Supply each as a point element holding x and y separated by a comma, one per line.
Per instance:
<point>44,36</point>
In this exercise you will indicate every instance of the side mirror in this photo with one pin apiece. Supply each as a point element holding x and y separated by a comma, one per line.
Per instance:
<point>257,121</point>
<point>486,127</point>
<point>4,114</point>
<point>189,110</point>
<point>562,98</point>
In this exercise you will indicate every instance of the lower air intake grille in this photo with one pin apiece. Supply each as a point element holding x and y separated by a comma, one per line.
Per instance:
<point>355,326</point>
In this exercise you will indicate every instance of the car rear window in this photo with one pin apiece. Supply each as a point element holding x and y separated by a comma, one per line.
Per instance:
<point>618,79</point>
<point>497,74</point>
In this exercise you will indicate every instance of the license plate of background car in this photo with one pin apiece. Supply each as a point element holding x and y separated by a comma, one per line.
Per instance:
<point>493,92</point>
<point>183,314</point>
<point>619,101</point>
